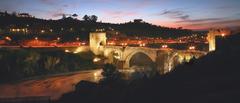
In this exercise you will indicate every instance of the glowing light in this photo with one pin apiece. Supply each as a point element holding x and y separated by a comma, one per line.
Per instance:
<point>124,44</point>
<point>58,38</point>
<point>142,45</point>
<point>96,59</point>
<point>66,51</point>
<point>164,46</point>
<point>8,38</point>
<point>42,31</point>
<point>95,74</point>
<point>192,48</point>
<point>111,43</point>
<point>36,38</point>
<point>222,34</point>
<point>77,38</point>
<point>83,43</point>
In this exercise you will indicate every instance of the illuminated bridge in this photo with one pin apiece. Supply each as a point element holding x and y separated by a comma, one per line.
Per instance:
<point>124,57</point>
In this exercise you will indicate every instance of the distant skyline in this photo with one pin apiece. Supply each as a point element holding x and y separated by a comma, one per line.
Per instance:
<point>189,14</point>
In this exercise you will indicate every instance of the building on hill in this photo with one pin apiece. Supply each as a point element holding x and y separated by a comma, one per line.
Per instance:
<point>138,21</point>
<point>24,15</point>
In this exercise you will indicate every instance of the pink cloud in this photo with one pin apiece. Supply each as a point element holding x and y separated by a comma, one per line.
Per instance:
<point>119,14</point>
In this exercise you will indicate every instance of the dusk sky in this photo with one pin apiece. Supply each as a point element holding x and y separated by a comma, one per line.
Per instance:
<point>191,14</point>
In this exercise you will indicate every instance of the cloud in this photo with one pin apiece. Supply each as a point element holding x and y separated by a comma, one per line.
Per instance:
<point>199,20</point>
<point>117,14</point>
<point>49,2</point>
<point>220,23</point>
<point>57,13</point>
<point>175,14</point>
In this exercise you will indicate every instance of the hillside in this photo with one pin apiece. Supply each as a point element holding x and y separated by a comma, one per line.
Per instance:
<point>73,27</point>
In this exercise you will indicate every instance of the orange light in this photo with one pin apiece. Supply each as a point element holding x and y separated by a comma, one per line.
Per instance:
<point>8,38</point>
<point>192,48</point>
<point>222,34</point>
<point>124,44</point>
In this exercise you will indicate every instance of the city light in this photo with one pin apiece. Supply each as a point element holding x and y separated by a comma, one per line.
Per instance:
<point>164,46</point>
<point>36,38</point>
<point>8,38</point>
<point>96,59</point>
<point>42,31</point>
<point>124,44</point>
<point>58,38</point>
<point>222,34</point>
<point>111,43</point>
<point>192,48</point>
<point>83,43</point>
<point>66,51</point>
<point>142,44</point>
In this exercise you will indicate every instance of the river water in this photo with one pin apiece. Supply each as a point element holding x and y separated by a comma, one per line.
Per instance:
<point>53,86</point>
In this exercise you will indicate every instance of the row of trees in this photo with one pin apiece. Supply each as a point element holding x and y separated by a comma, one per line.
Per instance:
<point>88,18</point>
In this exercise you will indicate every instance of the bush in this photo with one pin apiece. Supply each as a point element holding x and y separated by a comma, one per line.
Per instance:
<point>110,74</point>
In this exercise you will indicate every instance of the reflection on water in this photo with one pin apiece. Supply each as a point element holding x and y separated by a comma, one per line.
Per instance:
<point>53,86</point>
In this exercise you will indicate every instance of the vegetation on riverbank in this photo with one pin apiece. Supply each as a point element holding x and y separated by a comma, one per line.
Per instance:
<point>24,63</point>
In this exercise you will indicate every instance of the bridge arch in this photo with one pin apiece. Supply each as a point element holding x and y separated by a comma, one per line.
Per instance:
<point>139,58</point>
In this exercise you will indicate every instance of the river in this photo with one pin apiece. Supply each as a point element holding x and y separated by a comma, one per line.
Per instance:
<point>54,86</point>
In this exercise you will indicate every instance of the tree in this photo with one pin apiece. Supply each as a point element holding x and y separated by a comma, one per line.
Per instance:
<point>86,18</point>
<point>74,15</point>
<point>94,18</point>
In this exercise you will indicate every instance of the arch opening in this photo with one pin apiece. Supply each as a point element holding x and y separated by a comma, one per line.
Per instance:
<point>141,60</point>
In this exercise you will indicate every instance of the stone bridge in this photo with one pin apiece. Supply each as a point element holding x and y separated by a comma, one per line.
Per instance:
<point>124,57</point>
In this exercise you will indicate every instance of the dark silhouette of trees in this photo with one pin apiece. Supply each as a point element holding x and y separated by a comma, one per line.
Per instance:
<point>110,73</point>
<point>86,18</point>
<point>75,15</point>
<point>94,18</point>
<point>19,64</point>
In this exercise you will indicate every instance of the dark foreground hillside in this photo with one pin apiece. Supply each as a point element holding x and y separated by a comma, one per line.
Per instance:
<point>212,79</point>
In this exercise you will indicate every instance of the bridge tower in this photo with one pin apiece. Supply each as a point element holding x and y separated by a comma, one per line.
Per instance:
<point>212,36</point>
<point>97,42</point>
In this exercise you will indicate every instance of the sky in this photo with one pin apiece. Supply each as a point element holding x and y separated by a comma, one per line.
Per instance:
<point>189,14</point>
